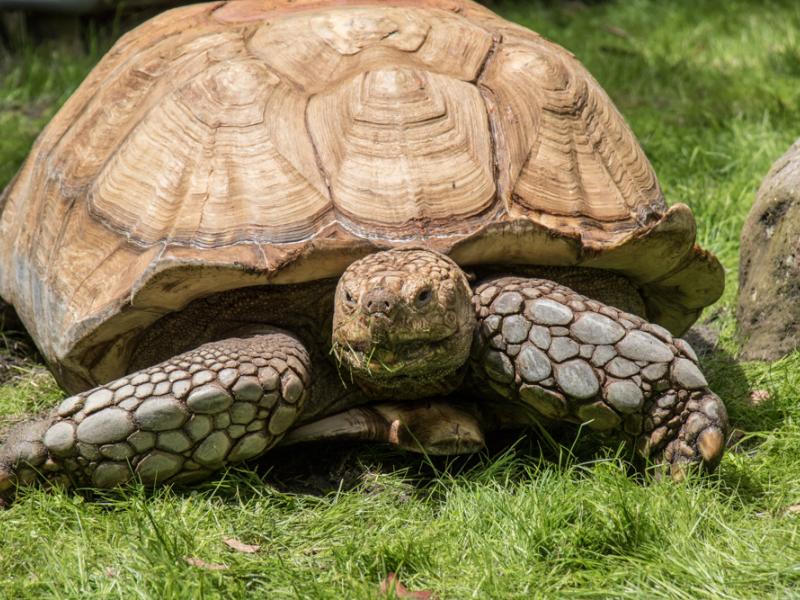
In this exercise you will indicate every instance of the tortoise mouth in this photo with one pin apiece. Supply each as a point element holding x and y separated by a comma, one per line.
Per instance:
<point>394,363</point>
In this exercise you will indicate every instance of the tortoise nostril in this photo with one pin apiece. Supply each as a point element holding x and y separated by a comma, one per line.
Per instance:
<point>379,301</point>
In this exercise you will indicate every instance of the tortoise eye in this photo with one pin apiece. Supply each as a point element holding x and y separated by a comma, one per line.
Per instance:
<point>348,298</point>
<point>423,297</point>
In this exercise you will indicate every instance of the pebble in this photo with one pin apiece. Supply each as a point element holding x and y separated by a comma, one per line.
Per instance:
<point>108,425</point>
<point>592,328</point>
<point>625,396</point>
<point>563,348</point>
<point>533,364</point>
<point>639,345</point>
<point>548,312</point>
<point>209,399</point>
<point>160,414</point>
<point>577,379</point>
<point>686,374</point>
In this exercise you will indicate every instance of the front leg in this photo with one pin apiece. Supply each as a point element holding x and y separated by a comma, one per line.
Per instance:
<point>566,357</point>
<point>176,422</point>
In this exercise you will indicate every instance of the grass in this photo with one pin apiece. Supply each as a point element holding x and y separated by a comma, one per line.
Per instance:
<point>712,90</point>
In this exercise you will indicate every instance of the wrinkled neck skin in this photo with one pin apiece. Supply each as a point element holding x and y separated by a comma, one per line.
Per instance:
<point>403,324</point>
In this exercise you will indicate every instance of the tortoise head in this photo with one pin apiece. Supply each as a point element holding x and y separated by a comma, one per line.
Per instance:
<point>402,320</point>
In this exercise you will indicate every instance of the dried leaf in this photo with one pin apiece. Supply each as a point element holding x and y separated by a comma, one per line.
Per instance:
<point>201,564</point>
<point>793,509</point>
<point>392,584</point>
<point>239,546</point>
<point>758,396</point>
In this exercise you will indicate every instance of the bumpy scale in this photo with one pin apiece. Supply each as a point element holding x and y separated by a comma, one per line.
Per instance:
<point>176,422</point>
<point>575,359</point>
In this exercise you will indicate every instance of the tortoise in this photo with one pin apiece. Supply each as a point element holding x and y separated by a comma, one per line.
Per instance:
<point>267,222</point>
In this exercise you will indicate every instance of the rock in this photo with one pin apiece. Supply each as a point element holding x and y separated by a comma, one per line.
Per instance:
<point>209,399</point>
<point>109,425</point>
<point>599,416</point>
<point>498,366</point>
<point>213,450</point>
<point>593,328</point>
<point>768,311</point>
<point>640,345</point>
<point>577,379</point>
<point>110,474</point>
<point>158,466</point>
<point>515,329</point>
<point>160,414</point>
<point>507,303</point>
<point>686,375</point>
<point>625,396</point>
<point>532,364</point>
<point>248,447</point>
<point>60,438</point>
<point>548,312</point>
<point>563,348</point>
<point>540,336</point>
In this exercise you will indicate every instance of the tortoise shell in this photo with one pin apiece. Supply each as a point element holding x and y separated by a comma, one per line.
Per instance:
<point>235,144</point>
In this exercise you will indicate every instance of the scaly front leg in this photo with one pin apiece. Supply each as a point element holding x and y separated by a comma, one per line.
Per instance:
<point>571,358</point>
<point>176,422</point>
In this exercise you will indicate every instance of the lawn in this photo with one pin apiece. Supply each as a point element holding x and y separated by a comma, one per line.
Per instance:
<point>712,90</point>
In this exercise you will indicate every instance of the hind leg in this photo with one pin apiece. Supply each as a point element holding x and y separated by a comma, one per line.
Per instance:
<point>566,357</point>
<point>176,422</point>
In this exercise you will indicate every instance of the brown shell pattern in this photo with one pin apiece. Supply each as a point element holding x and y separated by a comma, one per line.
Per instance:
<point>232,144</point>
